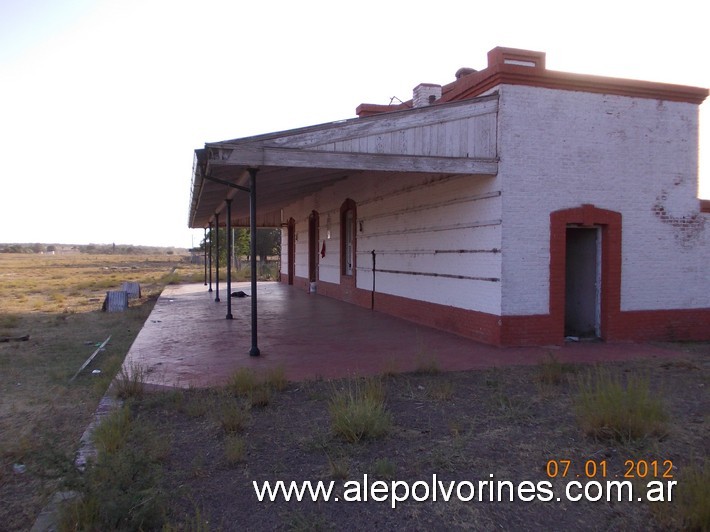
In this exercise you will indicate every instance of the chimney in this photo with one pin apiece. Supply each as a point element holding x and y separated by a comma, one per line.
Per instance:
<point>426,94</point>
<point>464,71</point>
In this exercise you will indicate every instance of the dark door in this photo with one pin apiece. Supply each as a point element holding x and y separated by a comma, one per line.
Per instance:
<point>291,249</point>
<point>582,282</point>
<point>313,247</point>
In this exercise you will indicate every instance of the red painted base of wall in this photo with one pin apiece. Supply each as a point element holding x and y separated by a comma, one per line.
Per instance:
<point>634,326</point>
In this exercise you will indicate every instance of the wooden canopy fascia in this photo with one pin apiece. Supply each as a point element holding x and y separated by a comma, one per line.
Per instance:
<point>296,163</point>
<point>299,158</point>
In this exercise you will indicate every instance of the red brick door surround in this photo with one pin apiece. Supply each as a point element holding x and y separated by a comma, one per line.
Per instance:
<point>610,300</point>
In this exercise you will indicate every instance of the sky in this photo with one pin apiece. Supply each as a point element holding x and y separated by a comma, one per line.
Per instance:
<point>103,102</point>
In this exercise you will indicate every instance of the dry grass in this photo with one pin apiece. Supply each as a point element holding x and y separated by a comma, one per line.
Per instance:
<point>610,409</point>
<point>235,449</point>
<point>358,412</point>
<point>57,301</point>
<point>495,421</point>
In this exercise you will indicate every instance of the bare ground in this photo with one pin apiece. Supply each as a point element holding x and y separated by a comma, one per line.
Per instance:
<point>459,426</point>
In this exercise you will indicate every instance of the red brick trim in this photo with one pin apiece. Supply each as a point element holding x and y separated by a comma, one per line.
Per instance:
<point>677,324</point>
<point>478,326</point>
<point>705,205</point>
<point>502,70</point>
<point>610,223</point>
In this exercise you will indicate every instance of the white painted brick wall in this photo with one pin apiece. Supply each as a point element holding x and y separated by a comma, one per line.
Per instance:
<point>408,242</point>
<point>560,149</point>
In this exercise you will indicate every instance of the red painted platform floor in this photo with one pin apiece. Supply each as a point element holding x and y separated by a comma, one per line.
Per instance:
<point>187,341</point>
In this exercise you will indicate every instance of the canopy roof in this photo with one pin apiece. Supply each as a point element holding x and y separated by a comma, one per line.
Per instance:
<point>293,164</point>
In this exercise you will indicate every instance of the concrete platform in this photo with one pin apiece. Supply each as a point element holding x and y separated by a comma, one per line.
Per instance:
<point>187,341</point>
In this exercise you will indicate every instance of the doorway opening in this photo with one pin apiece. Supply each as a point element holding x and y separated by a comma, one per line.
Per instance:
<point>583,282</point>
<point>313,222</point>
<point>291,249</point>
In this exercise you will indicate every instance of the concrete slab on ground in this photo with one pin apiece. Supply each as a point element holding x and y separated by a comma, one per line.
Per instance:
<point>186,341</point>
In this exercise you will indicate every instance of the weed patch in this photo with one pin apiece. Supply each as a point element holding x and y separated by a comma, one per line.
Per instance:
<point>120,490</point>
<point>609,409</point>
<point>111,434</point>
<point>235,449</point>
<point>441,390</point>
<point>232,416</point>
<point>129,383</point>
<point>383,468</point>
<point>551,371</point>
<point>358,410</point>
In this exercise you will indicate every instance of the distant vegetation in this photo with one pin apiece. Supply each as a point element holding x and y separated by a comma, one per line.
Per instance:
<point>98,249</point>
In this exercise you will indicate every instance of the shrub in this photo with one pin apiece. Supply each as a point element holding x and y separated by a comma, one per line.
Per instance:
<point>608,409</point>
<point>358,410</point>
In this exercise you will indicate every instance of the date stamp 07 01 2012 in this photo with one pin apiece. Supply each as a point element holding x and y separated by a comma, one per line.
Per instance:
<point>598,469</point>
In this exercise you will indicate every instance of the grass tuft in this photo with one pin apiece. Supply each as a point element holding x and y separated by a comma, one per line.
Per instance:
<point>608,409</point>
<point>384,469</point>
<point>693,498</point>
<point>339,466</point>
<point>427,364</point>
<point>275,378</point>
<point>232,416</point>
<point>129,383</point>
<point>111,434</point>
<point>358,410</point>
<point>551,371</point>
<point>120,490</point>
<point>235,449</point>
<point>441,390</point>
<point>242,382</point>
<point>260,396</point>
<point>690,507</point>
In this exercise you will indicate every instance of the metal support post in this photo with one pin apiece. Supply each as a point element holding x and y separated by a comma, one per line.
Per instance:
<point>209,253</point>
<point>252,250</point>
<point>216,258</point>
<point>229,258</point>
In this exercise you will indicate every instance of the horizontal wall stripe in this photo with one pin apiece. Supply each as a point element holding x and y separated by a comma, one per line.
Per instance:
<point>431,206</point>
<point>426,251</point>
<point>453,227</point>
<point>431,274</point>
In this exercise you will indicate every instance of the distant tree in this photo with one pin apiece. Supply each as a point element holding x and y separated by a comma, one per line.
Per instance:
<point>268,242</point>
